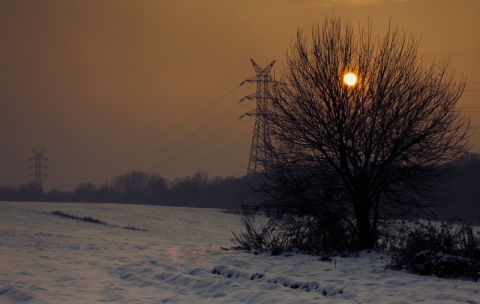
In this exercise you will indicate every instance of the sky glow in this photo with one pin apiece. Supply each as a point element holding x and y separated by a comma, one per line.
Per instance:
<point>112,86</point>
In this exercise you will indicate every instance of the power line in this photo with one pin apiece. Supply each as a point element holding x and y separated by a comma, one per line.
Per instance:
<point>178,156</point>
<point>198,147</point>
<point>210,155</point>
<point>116,160</point>
<point>467,109</point>
<point>152,154</point>
<point>454,53</point>
<point>213,137</point>
<point>108,162</point>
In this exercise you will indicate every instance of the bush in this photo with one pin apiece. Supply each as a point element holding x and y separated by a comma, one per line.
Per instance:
<point>321,235</point>
<point>448,250</point>
<point>263,238</point>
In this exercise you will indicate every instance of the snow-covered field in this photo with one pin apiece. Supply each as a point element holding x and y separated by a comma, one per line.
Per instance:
<point>175,255</point>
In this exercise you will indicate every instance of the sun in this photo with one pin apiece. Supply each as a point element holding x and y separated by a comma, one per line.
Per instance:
<point>350,79</point>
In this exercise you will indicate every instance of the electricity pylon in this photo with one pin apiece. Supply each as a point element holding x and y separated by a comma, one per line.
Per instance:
<point>38,166</point>
<point>261,144</point>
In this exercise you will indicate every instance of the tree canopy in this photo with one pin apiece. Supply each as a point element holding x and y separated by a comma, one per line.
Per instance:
<point>350,156</point>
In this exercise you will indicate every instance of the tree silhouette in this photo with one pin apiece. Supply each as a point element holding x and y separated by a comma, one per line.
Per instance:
<point>346,157</point>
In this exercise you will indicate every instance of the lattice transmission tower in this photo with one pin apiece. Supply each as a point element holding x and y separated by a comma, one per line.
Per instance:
<point>39,167</point>
<point>260,147</point>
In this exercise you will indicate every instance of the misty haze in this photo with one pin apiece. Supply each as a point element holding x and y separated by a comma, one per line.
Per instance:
<point>210,151</point>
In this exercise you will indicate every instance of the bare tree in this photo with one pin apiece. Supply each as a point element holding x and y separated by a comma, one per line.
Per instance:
<point>348,156</point>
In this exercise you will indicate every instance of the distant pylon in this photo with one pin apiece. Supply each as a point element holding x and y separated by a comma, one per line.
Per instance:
<point>260,147</point>
<point>38,166</point>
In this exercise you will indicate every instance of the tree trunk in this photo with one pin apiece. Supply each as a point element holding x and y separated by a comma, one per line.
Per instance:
<point>366,239</point>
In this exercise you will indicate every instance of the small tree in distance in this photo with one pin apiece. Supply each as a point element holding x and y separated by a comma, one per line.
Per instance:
<point>345,157</point>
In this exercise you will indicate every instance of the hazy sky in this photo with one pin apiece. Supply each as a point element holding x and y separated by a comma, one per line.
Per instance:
<point>108,86</point>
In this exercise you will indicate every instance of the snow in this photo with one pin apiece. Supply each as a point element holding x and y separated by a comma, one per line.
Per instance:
<point>177,255</point>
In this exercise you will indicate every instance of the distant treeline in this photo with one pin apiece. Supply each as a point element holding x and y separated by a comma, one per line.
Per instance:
<point>461,196</point>
<point>136,187</point>
<point>463,190</point>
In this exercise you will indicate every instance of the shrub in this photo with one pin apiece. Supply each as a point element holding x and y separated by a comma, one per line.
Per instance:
<point>321,235</point>
<point>448,250</point>
<point>263,238</point>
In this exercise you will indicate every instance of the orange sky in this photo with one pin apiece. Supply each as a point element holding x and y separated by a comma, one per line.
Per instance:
<point>107,86</point>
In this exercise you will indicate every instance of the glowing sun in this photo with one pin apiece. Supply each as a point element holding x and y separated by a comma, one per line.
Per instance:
<point>350,79</point>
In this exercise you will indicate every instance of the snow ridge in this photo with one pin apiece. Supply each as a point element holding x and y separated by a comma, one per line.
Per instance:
<point>289,282</point>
